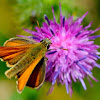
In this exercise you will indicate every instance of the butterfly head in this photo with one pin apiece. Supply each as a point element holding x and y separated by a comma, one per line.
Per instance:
<point>46,42</point>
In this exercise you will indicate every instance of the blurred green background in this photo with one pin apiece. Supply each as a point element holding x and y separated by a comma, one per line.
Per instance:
<point>18,14</point>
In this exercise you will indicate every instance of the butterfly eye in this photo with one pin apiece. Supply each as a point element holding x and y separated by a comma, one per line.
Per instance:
<point>48,46</point>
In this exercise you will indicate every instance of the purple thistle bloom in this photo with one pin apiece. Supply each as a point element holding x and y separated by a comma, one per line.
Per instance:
<point>72,55</point>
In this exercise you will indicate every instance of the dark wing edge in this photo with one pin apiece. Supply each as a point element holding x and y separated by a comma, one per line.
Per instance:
<point>38,75</point>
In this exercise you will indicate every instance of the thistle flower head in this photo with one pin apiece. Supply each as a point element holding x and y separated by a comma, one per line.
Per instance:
<point>72,54</point>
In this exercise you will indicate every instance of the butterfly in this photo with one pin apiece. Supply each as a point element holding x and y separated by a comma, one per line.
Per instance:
<point>26,60</point>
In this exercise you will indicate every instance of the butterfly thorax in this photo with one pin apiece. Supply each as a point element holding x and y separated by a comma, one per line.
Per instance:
<point>46,42</point>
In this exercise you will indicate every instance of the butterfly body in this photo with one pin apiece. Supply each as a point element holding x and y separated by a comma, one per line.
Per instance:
<point>26,60</point>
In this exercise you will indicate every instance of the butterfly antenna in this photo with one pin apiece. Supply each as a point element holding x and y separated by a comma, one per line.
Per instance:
<point>51,37</point>
<point>52,34</point>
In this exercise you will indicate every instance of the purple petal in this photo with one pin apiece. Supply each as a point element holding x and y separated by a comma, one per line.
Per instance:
<point>45,25</point>
<point>33,33</point>
<point>46,18</point>
<point>88,26</point>
<point>53,82</point>
<point>53,15</point>
<point>70,90</point>
<point>52,52</point>
<point>36,38</point>
<point>50,89</point>
<point>95,30</point>
<point>77,34</point>
<point>30,37</point>
<point>80,49</point>
<point>83,84</point>
<point>45,31</point>
<point>90,81</point>
<point>50,64</point>
<point>79,20</point>
<point>63,21</point>
<point>67,86</point>
<point>86,70</point>
<point>94,37</point>
<point>97,65</point>
<point>80,59</point>
<point>27,30</point>
<point>56,75</point>
<point>52,32</point>
<point>93,78</point>
<point>65,56</point>
<point>60,14</point>
<point>95,55</point>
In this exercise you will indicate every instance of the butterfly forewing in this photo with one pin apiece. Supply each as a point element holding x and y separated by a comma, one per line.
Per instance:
<point>18,41</point>
<point>14,49</point>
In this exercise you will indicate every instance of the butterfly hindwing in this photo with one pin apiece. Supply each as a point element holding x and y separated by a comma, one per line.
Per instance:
<point>38,75</point>
<point>22,80</point>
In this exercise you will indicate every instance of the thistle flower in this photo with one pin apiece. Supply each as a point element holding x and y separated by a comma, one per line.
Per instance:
<point>72,54</point>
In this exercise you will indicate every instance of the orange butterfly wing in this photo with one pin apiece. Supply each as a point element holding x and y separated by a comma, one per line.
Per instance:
<point>38,75</point>
<point>14,49</point>
<point>18,41</point>
<point>22,80</point>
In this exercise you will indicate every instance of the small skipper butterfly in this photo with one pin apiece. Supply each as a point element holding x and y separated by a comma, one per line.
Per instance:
<point>25,58</point>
